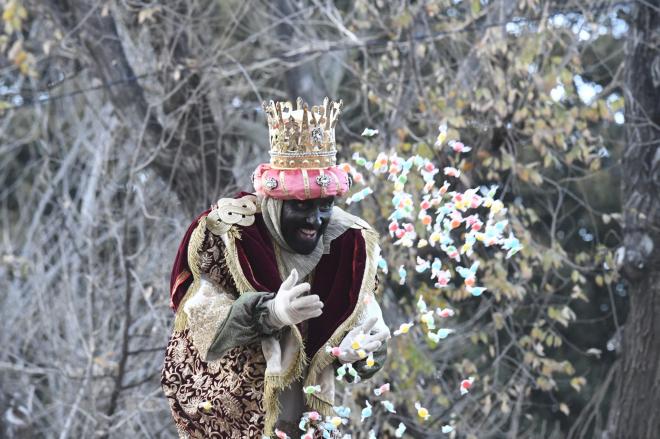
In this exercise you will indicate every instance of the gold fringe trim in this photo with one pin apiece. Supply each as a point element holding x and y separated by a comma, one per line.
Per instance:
<point>322,358</point>
<point>233,264</point>
<point>274,384</point>
<point>195,243</point>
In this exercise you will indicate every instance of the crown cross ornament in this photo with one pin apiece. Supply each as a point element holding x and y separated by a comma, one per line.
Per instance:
<point>303,138</point>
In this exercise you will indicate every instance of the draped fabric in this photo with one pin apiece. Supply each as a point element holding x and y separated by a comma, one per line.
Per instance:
<point>226,397</point>
<point>336,280</point>
<point>181,277</point>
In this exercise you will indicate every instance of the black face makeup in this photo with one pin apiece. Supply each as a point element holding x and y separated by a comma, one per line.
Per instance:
<point>303,222</point>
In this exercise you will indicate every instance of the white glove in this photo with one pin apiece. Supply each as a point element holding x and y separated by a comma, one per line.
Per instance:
<point>362,340</point>
<point>287,308</point>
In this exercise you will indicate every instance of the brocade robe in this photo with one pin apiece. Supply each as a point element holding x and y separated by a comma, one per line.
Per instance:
<point>225,367</point>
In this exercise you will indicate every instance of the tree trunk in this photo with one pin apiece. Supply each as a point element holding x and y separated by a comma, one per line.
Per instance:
<point>191,159</point>
<point>634,412</point>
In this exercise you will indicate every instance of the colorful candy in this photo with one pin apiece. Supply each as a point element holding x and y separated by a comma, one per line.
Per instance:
<point>421,411</point>
<point>404,328</point>
<point>466,385</point>
<point>366,412</point>
<point>388,406</point>
<point>382,389</point>
<point>310,390</point>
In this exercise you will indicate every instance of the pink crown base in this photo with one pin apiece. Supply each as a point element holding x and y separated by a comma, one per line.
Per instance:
<point>300,184</point>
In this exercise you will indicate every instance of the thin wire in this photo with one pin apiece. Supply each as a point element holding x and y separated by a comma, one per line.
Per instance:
<point>283,56</point>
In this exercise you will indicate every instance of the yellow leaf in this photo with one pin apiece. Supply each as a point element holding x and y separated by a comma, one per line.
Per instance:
<point>475,6</point>
<point>578,382</point>
<point>498,319</point>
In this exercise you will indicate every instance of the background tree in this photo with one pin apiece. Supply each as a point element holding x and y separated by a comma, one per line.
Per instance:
<point>639,255</point>
<point>121,120</point>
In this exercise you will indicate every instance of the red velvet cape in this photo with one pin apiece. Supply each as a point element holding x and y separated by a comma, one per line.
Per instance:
<point>337,278</point>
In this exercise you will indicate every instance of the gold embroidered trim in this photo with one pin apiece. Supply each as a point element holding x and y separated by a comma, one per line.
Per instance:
<point>334,176</point>
<point>195,243</point>
<point>280,263</point>
<point>283,183</point>
<point>273,384</point>
<point>233,264</point>
<point>323,190</point>
<point>322,358</point>
<point>306,183</point>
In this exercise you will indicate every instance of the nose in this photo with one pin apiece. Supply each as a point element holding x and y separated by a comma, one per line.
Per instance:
<point>314,219</point>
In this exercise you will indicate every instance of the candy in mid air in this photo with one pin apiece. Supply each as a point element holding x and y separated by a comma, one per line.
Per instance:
<point>459,147</point>
<point>388,406</point>
<point>468,274</point>
<point>452,172</point>
<point>440,335</point>
<point>444,312</point>
<point>312,389</point>
<point>280,434</point>
<point>382,264</point>
<point>444,188</point>
<point>404,328</point>
<point>446,429</point>
<point>382,389</point>
<point>368,132</point>
<point>512,245</point>
<point>466,384</point>
<point>428,319</point>
<point>400,430</point>
<point>342,411</point>
<point>366,412</point>
<point>402,275</point>
<point>442,136</point>
<point>475,291</point>
<point>422,265</point>
<point>421,305</point>
<point>421,411</point>
<point>353,373</point>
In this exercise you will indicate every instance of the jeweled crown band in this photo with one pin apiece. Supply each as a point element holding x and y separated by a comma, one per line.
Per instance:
<point>300,184</point>
<point>302,138</point>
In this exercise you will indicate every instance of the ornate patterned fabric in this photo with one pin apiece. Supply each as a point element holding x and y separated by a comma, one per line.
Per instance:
<point>212,263</point>
<point>218,399</point>
<point>235,393</point>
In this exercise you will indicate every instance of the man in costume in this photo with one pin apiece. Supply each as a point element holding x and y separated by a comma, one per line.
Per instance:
<point>264,285</point>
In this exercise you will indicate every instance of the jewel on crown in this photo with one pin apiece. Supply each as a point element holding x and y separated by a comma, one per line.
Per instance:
<point>304,137</point>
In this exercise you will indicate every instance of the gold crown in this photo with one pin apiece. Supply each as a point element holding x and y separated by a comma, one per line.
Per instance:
<point>302,138</point>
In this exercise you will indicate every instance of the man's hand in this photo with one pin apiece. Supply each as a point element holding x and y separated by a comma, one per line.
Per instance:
<point>362,340</point>
<point>288,308</point>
